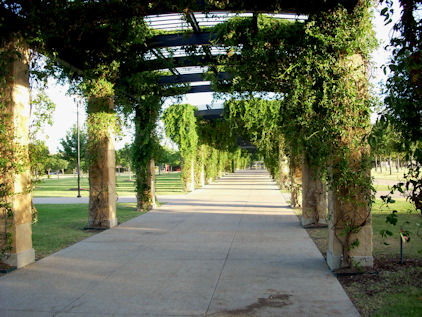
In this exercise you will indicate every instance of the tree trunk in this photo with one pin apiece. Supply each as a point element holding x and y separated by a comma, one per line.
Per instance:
<point>390,163</point>
<point>397,163</point>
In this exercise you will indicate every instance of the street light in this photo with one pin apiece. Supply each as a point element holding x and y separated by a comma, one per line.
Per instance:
<point>79,148</point>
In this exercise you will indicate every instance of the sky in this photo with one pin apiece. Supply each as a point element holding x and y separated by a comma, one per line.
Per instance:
<point>64,116</point>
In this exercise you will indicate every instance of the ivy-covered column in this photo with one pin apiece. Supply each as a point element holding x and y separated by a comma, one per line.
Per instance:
<point>15,198</point>
<point>151,182</point>
<point>350,222</point>
<point>295,169</point>
<point>202,167</point>
<point>283,167</point>
<point>284,172</point>
<point>143,152</point>
<point>314,196</point>
<point>349,205</point>
<point>211,166</point>
<point>333,78</point>
<point>181,127</point>
<point>101,155</point>
<point>189,168</point>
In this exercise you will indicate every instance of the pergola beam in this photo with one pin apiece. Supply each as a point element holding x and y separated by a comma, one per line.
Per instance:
<point>189,78</point>
<point>199,89</point>
<point>190,17</point>
<point>172,40</point>
<point>182,61</point>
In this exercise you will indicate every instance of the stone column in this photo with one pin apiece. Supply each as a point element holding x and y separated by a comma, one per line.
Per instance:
<point>202,175</point>
<point>350,225</point>
<point>295,181</point>
<point>192,176</point>
<point>102,169</point>
<point>16,181</point>
<point>343,216</point>
<point>314,197</point>
<point>151,181</point>
<point>190,185</point>
<point>283,172</point>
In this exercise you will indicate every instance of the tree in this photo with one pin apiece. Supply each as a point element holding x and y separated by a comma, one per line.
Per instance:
<point>69,150</point>
<point>385,142</point>
<point>403,101</point>
<point>42,109</point>
<point>56,163</point>
<point>124,158</point>
<point>168,156</point>
<point>38,157</point>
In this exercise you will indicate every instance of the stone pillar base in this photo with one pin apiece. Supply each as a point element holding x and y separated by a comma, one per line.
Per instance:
<point>309,221</point>
<point>334,262</point>
<point>106,224</point>
<point>21,259</point>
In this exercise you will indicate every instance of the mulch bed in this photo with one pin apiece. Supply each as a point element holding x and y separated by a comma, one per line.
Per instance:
<point>4,268</point>
<point>380,265</point>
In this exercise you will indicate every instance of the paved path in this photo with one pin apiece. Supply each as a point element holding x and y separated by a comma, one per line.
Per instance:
<point>231,249</point>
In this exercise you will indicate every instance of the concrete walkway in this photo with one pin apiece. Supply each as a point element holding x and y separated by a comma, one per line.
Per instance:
<point>233,248</point>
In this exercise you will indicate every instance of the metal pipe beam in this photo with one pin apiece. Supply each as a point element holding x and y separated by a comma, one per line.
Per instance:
<point>171,40</point>
<point>189,78</point>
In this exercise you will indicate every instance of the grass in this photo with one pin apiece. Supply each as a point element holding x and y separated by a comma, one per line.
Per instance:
<point>408,219</point>
<point>385,174</point>
<point>382,187</point>
<point>66,186</point>
<point>60,226</point>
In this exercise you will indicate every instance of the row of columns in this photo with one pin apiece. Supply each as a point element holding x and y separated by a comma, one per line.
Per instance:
<point>102,171</point>
<point>321,207</point>
<point>102,204</point>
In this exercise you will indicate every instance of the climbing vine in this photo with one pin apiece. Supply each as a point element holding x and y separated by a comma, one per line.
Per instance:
<point>180,125</point>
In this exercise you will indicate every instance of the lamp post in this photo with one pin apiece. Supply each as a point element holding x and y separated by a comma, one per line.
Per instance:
<point>79,148</point>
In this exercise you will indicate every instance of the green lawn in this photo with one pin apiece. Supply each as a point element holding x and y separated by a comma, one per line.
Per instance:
<point>385,174</point>
<point>382,187</point>
<point>60,226</point>
<point>408,219</point>
<point>66,186</point>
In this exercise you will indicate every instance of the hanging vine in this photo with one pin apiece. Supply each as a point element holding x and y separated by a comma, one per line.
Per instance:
<point>180,125</point>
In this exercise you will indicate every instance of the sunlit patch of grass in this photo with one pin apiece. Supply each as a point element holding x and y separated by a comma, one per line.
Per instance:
<point>60,226</point>
<point>166,184</point>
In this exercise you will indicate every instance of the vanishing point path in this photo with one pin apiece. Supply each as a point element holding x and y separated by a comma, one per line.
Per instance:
<point>233,248</point>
